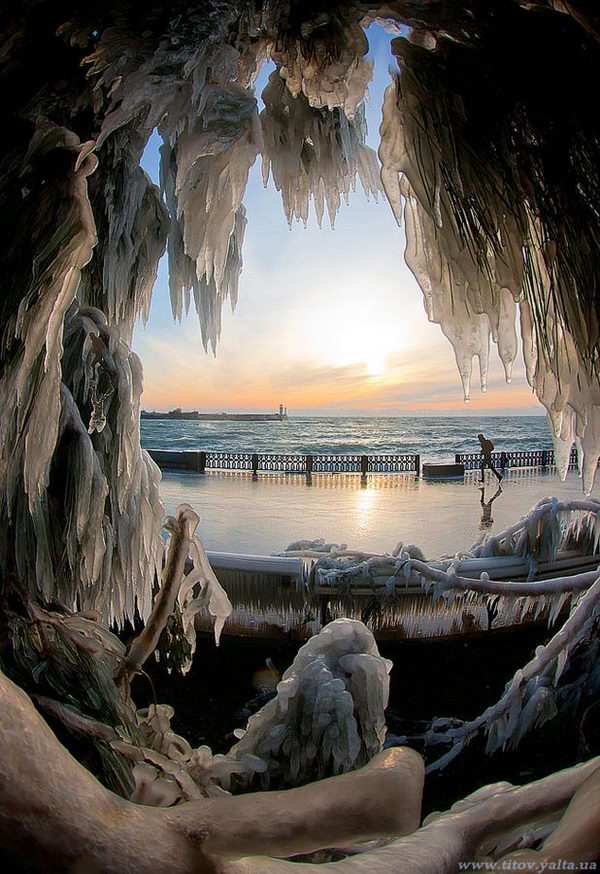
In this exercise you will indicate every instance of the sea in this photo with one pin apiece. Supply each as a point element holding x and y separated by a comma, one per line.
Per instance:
<point>433,438</point>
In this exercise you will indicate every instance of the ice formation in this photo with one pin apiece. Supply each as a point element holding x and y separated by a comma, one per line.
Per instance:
<point>185,592</point>
<point>323,59</point>
<point>328,715</point>
<point>490,230</point>
<point>497,163</point>
<point>479,254</point>
<point>530,698</point>
<point>312,153</point>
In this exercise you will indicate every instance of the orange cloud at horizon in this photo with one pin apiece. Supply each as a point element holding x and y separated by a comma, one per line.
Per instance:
<point>310,385</point>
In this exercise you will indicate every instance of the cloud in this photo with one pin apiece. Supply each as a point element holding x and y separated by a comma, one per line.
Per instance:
<point>319,313</point>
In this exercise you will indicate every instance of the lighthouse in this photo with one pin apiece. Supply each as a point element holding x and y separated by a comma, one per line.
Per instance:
<point>282,412</point>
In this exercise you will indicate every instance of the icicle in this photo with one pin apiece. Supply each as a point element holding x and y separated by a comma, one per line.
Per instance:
<point>212,595</point>
<point>96,357</point>
<point>30,389</point>
<point>204,191</point>
<point>313,154</point>
<point>475,260</point>
<point>320,58</point>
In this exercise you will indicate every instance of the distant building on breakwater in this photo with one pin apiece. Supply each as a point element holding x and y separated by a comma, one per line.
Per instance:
<point>194,415</point>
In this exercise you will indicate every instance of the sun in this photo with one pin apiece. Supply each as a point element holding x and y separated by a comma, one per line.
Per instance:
<point>351,339</point>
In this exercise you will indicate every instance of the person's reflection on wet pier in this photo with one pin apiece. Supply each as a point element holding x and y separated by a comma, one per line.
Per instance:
<point>486,520</point>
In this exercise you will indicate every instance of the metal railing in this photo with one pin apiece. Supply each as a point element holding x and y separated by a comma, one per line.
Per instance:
<point>287,462</point>
<point>261,462</point>
<point>520,458</point>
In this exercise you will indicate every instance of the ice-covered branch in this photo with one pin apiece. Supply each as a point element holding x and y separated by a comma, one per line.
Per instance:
<point>181,529</point>
<point>176,587</point>
<point>484,586</point>
<point>540,532</point>
<point>529,697</point>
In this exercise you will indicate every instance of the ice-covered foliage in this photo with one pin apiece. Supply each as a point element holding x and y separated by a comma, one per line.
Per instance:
<point>168,770</point>
<point>328,715</point>
<point>207,117</point>
<point>327,718</point>
<point>62,239</point>
<point>98,363</point>
<point>499,157</point>
<point>57,228</point>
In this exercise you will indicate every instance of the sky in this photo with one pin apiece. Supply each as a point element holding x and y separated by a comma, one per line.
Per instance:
<point>328,322</point>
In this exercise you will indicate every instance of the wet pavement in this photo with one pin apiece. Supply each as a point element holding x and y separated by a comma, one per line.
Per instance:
<point>239,514</point>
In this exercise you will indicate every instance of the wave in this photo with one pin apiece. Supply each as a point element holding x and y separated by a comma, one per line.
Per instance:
<point>437,439</point>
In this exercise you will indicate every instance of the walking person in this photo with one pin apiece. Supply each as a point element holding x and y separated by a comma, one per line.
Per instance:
<point>487,447</point>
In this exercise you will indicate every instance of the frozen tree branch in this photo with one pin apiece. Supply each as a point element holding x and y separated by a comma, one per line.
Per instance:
<point>558,585</point>
<point>528,698</point>
<point>181,529</point>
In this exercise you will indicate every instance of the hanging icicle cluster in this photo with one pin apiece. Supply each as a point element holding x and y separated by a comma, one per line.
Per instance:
<point>473,148</point>
<point>319,53</point>
<point>313,153</point>
<point>56,231</point>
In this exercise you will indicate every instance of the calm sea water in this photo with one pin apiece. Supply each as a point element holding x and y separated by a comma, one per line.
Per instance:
<point>435,439</point>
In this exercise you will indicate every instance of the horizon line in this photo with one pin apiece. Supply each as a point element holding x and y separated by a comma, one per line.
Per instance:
<point>352,415</point>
